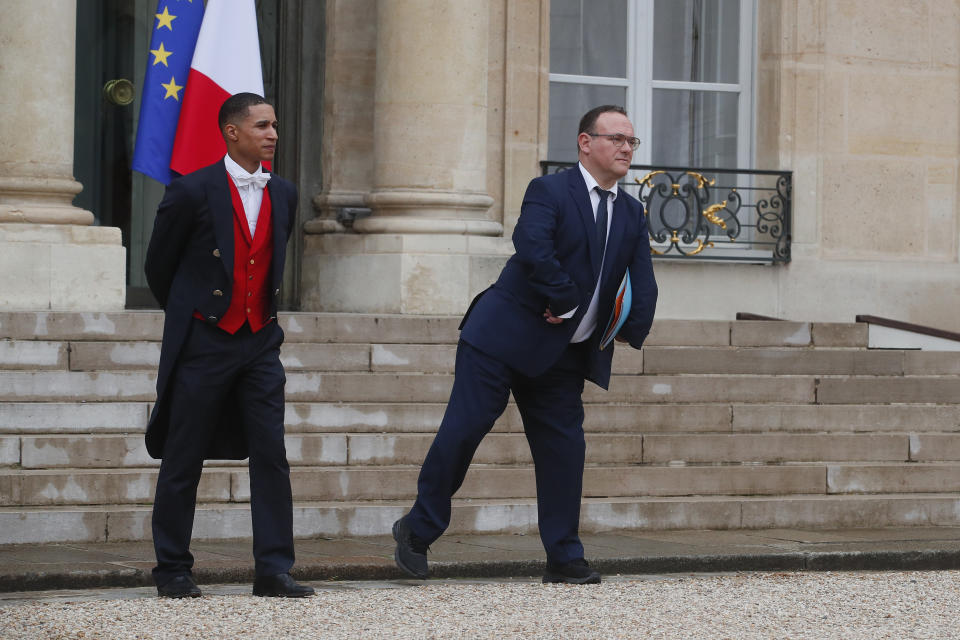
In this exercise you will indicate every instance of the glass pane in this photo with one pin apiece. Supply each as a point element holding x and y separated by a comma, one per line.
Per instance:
<point>568,103</point>
<point>589,38</point>
<point>696,40</point>
<point>694,128</point>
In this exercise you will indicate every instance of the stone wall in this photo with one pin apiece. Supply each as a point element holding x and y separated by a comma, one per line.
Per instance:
<point>859,100</point>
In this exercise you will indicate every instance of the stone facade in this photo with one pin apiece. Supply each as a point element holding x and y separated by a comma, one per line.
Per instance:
<point>50,256</point>
<point>431,134</point>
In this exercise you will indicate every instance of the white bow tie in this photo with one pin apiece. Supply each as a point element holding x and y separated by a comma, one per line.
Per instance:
<point>259,179</point>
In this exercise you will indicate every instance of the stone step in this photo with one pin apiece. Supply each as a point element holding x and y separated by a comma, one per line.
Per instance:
<point>365,417</point>
<point>56,325</point>
<point>341,518</point>
<point>883,390</point>
<point>73,417</point>
<point>58,386</point>
<point>108,451</point>
<point>145,356</point>
<point>105,487</point>
<point>779,448</point>
<point>439,358</point>
<point>779,361</point>
<point>360,417</point>
<point>386,328</point>
<point>135,486</point>
<point>126,486</point>
<point>113,386</point>
<point>33,354</point>
<point>923,421</point>
<point>342,449</point>
<point>893,478</point>
<point>845,417</point>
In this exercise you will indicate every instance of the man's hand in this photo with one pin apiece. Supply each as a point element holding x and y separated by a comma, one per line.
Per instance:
<point>552,319</point>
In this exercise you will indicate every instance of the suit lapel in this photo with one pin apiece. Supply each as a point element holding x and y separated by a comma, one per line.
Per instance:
<point>221,208</point>
<point>578,192</point>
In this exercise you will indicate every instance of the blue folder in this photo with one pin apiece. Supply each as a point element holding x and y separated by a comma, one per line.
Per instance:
<point>621,309</point>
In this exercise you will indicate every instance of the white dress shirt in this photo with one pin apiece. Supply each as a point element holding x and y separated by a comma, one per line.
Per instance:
<point>250,186</point>
<point>589,321</point>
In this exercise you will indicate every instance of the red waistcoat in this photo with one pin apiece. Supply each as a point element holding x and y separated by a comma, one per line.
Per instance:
<point>250,300</point>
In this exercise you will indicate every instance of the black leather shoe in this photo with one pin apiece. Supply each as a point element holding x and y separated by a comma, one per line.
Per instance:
<point>411,553</point>
<point>574,572</point>
<point>280,586</point>
<point>179,587</point>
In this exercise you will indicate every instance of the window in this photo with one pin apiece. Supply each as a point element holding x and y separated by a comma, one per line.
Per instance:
<point>682,68</point>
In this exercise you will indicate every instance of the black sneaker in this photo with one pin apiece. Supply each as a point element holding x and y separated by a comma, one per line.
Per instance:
<point>411,553</point>
<point>280,586</point>
<point>574,572</point>
<point>179,587</point>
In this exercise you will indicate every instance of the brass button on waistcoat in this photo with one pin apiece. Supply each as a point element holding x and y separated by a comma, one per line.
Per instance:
<point>216,253</point>
<point>217,292</point>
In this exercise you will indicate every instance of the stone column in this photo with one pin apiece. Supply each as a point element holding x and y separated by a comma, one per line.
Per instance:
<point>430,119</point>
<point>50,256</point>
<point>429,208</point>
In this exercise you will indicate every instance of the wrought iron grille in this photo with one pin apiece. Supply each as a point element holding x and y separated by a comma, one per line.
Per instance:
<point>740,215</point>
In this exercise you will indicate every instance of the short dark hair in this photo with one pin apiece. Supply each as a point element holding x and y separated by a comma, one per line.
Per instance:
<point>236,107</point>
<point>589,119</point>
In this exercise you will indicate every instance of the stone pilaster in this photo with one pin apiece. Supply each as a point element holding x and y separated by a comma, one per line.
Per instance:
<point>50,258</point>
<point>426,170</point>
<point>430,119</point>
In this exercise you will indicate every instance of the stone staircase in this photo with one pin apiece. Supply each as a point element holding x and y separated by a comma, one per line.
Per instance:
<point>719,425</point>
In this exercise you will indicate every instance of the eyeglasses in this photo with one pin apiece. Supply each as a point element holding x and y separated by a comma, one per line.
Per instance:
<point>618,139</point>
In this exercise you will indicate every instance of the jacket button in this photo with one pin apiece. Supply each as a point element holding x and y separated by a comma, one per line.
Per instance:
<point>251,261</point>
<point>212,319</point>
<point>277,292</point>
<point>216,253</point>
<point>217,292</point>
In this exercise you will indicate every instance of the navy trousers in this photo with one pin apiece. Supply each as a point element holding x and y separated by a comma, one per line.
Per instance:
<point>552,411</point>
<point>214,368</point>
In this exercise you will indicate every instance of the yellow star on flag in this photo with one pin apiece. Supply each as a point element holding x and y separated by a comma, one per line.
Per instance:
<point>160,55</point>
<point>172,89</point>
<point>164,19</point>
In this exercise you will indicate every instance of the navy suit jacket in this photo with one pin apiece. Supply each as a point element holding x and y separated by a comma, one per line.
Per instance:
<point>189,258</point>
<point>556,265</point>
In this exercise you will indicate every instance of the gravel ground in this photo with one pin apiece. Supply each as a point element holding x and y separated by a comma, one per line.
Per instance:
<point>759,605</point>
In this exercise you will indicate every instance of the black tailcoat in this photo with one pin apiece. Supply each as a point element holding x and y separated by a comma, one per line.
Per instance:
<point>189,268</point>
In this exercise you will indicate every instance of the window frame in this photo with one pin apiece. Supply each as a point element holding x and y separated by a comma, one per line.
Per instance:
<point>640,85</point>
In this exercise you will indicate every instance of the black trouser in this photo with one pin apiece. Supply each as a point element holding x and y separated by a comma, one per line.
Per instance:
<point>552,412</point>
<point>211,365</point>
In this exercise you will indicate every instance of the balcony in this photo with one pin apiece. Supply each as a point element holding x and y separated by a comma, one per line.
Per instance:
<point>730,215</point>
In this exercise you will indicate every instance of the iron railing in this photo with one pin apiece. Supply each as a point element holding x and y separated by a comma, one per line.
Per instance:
<point>740,215</point>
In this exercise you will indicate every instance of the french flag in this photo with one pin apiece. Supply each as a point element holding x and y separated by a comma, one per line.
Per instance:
<point>226,61</point>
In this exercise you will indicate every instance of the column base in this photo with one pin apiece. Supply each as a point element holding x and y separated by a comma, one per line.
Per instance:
<point>61,267</point>
<point>424,274</point>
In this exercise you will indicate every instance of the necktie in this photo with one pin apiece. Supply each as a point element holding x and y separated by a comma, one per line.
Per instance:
<point>602,219</point>
<point>259,179</point>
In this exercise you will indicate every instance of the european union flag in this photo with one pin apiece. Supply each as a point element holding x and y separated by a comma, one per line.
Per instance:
<point>168,65</point>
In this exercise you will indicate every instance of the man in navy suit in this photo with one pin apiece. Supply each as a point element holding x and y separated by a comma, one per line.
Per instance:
<point>215,264</point>
<point>536,333</point>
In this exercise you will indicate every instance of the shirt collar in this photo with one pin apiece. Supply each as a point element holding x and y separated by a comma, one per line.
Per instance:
<point>593,184</point>
<point>236,170</point>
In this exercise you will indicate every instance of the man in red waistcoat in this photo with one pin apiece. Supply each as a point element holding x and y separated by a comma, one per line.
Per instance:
<point>215,264</point>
